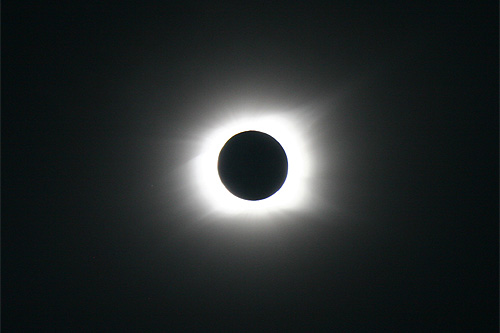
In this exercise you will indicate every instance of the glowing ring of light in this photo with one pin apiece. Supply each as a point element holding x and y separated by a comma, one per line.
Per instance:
<point>290,132</point>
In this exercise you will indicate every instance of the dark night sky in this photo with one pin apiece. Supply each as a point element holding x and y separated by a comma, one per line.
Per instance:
<point>102,104</point>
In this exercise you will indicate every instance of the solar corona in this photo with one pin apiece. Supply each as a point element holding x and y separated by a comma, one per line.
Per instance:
<point>254,163</point>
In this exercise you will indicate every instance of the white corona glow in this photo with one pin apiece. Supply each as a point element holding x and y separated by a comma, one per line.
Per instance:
<point>292,132</point>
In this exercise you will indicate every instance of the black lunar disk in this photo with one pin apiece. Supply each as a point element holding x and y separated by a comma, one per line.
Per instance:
<point>252,165</point>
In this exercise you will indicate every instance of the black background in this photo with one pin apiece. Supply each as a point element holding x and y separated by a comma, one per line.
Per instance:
<point>98,100</point>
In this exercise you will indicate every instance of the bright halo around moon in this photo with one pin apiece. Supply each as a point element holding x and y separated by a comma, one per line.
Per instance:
<point>293,134</point>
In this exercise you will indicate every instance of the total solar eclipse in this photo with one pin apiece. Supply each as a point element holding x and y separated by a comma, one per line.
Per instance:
<point>252,165</point>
